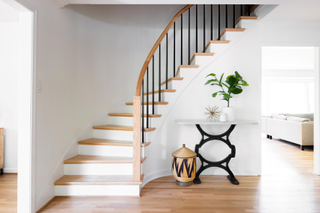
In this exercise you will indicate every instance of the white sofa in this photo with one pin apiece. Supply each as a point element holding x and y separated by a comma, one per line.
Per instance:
<point>295,128</point>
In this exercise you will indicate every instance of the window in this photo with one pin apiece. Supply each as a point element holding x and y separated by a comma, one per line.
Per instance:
<point>287,95</point>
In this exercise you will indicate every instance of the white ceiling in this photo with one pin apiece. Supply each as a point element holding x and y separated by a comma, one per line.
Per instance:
<point>296,11</point>
<point>287,11</point>
<point>7,13</point>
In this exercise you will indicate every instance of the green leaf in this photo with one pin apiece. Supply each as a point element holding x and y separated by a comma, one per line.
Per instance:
<point>231,80</point>
<point>226,95</point>
<point>221,79</point>
<point>236,90</point>
<point>209,81</point>
<point>211,74</point>
<point>238,76</point>
<point>226,85</point>
<point>214,94</point>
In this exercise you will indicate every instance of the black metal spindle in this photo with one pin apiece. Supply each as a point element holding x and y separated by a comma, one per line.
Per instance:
<point>211,22</point>
<point>174,49</point>
<point>159,72</point>
<point>181,39</point>
<point>189,36</point>
<point>234,16</point>
<point>204,27</point>
<point>153,84</point>
<point>226,16</point>
<point>241,8</point>
<point>219,22</point>
<point>142,112</point>
<point>196,28</point>
<point>167,64</point>
<point>147,98</point>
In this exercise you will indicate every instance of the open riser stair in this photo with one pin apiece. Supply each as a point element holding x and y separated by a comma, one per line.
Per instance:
<point>109,163</point>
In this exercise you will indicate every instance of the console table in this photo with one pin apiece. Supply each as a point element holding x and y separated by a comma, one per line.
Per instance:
<point>220,137</point>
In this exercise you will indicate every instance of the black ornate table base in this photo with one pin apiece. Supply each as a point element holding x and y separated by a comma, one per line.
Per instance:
<point>224,137</point>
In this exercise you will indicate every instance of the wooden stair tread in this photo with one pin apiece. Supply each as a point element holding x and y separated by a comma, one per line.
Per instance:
<point>245,18</point>
<point>105,142</point>
<point>114,127</point>
<point>119,128</point>
<point>232,30</point>
<point>97,180</point>
<point>150,103</point>
<point>217,42</point>
<point>109,142</point>
<point>90,159</point>
<point>249,17</point>
<point>186,66</point>
<point>93,159</point>
<point>131,115</point>
<point>163,90</point>
<point>172,79</point>
<point>200,54</point>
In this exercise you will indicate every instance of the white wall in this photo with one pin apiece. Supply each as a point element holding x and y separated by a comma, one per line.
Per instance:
<point>243,57</point>
<point>9,72</point>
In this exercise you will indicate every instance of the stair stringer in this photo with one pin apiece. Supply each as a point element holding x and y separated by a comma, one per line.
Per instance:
<point>154,137</point>
<point>72,149</point>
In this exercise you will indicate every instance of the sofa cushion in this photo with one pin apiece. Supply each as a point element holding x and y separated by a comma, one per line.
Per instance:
<point>298,119</point>
<point>301,115</point>
<point>280,117</point>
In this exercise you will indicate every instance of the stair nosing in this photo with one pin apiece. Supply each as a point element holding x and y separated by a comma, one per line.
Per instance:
<point>60,182</point>
<point>145,144</point>
<point>217,42</point>
<point>200,54</point>
<point>162,91</point>
<point>129,115</point>
<point>172,79</point>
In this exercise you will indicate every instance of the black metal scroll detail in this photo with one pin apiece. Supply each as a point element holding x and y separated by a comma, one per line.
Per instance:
<point>226,160</point>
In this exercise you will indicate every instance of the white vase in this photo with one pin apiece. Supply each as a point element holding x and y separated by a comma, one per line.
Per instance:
<point>230,112</point>
<point>223,117</point>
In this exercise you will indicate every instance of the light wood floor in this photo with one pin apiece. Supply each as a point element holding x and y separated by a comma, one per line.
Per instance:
<point>287,185</point>
<point>8,193</point>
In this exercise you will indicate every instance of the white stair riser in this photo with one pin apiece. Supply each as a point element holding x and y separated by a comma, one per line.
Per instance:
<point>201,60</point>
<point>172,85</point>
<point>232,36</point>
<point>164,96</point>
<point>113,134</point>
<point>98,169</point>
<point>118,151</point>
<point>97,190</point>
<point>217,48</point>
<point>157,109</point>
<point>247,24</point>
<point>185,72</point>
<point>127,121</point>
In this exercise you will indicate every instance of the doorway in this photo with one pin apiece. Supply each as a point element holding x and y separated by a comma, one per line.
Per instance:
<point>289,98</point>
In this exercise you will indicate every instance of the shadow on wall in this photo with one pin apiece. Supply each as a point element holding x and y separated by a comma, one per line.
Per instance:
<point>132,14</point>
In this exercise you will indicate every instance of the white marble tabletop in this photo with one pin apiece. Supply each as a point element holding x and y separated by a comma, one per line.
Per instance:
<point>208,122</point>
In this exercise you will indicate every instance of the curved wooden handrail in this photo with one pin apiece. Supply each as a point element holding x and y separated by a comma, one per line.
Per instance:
<point>155,46</point>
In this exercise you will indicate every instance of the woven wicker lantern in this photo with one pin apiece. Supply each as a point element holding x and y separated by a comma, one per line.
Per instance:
<point>184,166</point>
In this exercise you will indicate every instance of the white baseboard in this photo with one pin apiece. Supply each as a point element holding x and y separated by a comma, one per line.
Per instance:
<point>97,190</point>
<point>10,170</point>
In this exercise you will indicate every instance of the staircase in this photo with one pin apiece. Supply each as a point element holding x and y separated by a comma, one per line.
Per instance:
<point>109,164</point>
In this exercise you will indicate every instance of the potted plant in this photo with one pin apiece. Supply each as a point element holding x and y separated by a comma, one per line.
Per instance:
<point>230,86</point>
